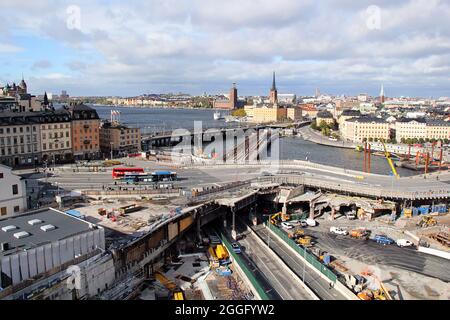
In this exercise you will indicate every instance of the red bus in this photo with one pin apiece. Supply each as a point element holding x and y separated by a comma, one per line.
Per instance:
<point>118,173</point>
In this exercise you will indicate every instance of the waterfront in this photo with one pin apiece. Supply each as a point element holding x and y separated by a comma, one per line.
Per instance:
<point>292,148</point>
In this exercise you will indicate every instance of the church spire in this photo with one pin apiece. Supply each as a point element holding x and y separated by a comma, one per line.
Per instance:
<point>274,87</point>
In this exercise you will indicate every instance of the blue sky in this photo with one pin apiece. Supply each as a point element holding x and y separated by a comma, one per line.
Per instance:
<point>132,47</point>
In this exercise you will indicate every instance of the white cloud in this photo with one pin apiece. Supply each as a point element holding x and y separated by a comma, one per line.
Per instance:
<point>203,45</point>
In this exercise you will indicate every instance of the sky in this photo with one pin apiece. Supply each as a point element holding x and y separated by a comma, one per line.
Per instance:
<point>127,48</point>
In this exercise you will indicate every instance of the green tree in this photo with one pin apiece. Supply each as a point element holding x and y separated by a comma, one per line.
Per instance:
<point>238,113</point>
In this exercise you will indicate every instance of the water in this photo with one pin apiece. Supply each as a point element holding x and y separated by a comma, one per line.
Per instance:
<point>292,148</point>
<point>152,120</point>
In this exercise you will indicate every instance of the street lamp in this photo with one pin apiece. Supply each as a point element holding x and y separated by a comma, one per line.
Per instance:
<point>111,143</point>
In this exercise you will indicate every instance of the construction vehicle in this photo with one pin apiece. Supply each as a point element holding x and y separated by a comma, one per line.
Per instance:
<point>175,291</point>
<point>304,241</point>
<point>296,234</point>
<point>407,213</point>
<point>360,233</point>
<point>274,219</point>
<point>366,295</point>
<point>427,221</point>
<point>382,293</point>
<point>389,160</point>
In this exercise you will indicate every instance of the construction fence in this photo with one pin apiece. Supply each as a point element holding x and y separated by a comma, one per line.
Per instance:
<point>310,258</point>
<point>247,272</point>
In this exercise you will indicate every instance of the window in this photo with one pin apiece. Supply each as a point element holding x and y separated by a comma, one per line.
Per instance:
<point>3,211</point>
<point>1,175</point>
<point>16,209</point>
<point>15,189</point>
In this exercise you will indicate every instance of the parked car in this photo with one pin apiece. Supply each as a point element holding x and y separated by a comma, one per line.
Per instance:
<point>303,223</point>
<point>287,225</point>
<point>337,230</point>
<point>404,243</point>
<point>266,174</point>
<point>383,239</point>
<point>311,222</point>
<point>236,247</point>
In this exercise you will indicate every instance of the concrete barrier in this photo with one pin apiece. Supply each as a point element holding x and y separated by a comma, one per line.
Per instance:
<point>434,252</point>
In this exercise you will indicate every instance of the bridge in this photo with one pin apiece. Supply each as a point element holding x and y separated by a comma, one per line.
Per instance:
<point>171,138</point>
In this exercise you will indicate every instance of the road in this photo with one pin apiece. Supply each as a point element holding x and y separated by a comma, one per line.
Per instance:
<point>317,284</point>
<point>372,253</point>
<point>271,271</point>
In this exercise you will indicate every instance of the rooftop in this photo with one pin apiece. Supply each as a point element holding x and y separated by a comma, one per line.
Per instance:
<point>29,225</point>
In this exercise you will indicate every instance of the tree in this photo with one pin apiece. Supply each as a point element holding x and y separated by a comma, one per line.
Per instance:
<point>370,139</point>
<point>238,113</point>
<point>314,125</point>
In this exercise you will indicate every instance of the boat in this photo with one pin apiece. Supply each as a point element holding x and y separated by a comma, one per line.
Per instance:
<point>217,115</point>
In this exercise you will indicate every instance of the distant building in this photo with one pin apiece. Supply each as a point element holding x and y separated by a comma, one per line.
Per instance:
<point>294,113</point>
<point>12,193</point>
<point>348,114</point>
<point>422,129</point>
<point>267,114</point>
<point>85,132</point>
<point>365,128</point>
<point>382,97</point>
<point>231,103</point>
<point>309,110</point>
<point>56,137</point>
<point>119,138</point>
<point>324,116</point>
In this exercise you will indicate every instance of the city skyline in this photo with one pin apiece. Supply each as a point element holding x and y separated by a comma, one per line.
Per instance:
<point>98,48</point>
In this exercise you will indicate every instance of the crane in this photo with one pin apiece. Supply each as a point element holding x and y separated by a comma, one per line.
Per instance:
<point>389,160</point>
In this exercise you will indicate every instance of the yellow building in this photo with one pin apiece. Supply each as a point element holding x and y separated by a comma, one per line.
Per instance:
<point>294,113</point>
<point>324,116</point>
<point>365,128</point>
<point>269,114</point>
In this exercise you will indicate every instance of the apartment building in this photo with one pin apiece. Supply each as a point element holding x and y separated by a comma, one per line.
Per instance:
<point>85,132</point>
<point>20,138</point>
<point>56,137</point>
<point>12,193</point>
<point>410,129</point>
<point>294,113</point>
<point>269,114</point>
<point>119,139</point>
<point>365,128</point>
<point>348,114</point>
<point>324,116</point>
<point>438,130</point>
<point>422,129</point>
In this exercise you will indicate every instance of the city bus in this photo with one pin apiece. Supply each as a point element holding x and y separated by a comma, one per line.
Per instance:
<point>154,177</point>
<point>119,173</point>
<point>164,176</point>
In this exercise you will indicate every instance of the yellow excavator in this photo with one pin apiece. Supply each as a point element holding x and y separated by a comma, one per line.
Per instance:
<point>389,160</point>
<point>177,293</point>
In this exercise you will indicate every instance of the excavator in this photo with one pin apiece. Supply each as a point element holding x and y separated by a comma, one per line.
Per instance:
<point>427,221</point>
<point>389,160</point>
<point>176,292</point>
<point>380,294</point>
<point>274,219</point>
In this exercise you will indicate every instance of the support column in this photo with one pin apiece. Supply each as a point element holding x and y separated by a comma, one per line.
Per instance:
<point>311,209</point>
<point>333,212</point>
<point>199,228</point>
<point>233,223</point>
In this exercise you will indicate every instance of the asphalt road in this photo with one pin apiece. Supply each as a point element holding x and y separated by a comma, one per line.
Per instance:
<point>372,253</point>
<point>317,284</point>
<point>285,284</point>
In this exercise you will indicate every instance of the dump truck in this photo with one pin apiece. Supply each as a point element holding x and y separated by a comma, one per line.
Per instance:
<point>221,252</point>
<point>360,233</point>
